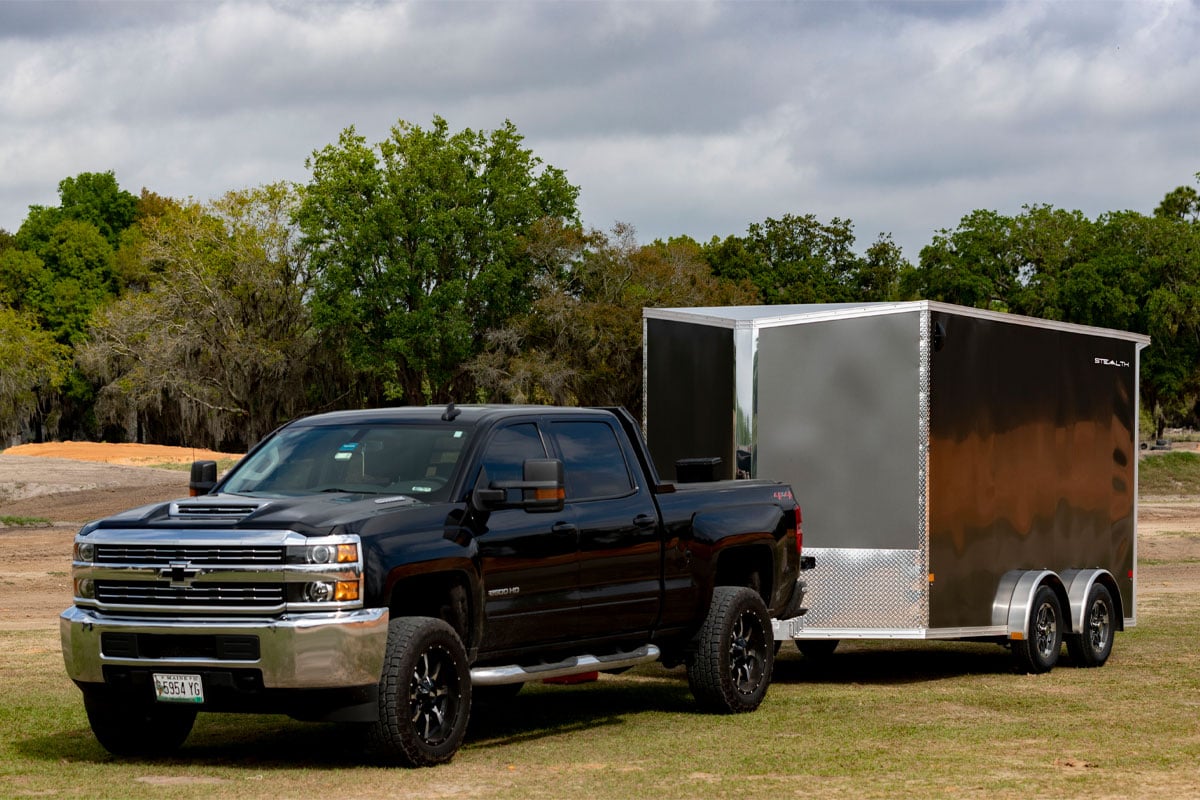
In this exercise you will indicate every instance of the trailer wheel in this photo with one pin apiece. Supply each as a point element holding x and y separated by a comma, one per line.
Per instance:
<point>1038,651</point>
<point>136,728</point>
<point>424,694</point>
<point>816,649</point>
<point>1092,646</point>
<point>730,670</point>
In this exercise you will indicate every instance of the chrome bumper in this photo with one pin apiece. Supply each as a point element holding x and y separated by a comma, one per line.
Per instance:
<point>313,651</point>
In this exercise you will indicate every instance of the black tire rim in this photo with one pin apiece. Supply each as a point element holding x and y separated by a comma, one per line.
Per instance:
<point>747,653</point>
<point>434,695</point>
<point>1099,625</point>
<point>1045,628</point>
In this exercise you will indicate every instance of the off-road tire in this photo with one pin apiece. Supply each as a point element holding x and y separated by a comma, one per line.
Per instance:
<point>733,654</point>
<point>1038,652</point>
<point>424,694</point>
<point>1092,646</point>
<point>140,728</point>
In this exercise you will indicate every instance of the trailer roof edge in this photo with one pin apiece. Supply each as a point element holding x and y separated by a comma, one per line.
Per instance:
<point>762,316</point>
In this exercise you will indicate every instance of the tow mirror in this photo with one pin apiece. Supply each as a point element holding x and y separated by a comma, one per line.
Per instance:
<point>204,477</point>
<point>541,490</point>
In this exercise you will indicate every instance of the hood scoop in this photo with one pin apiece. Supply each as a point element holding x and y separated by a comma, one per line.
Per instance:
<point>230,510</point>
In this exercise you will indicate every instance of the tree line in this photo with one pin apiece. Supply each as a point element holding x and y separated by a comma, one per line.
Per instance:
<point>438,265</point>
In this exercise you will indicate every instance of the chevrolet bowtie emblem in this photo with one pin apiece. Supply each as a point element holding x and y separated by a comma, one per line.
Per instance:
<point>179,573</point>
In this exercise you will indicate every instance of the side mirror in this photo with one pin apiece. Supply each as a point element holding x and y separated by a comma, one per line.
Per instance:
<point>541,489</point>
<point>204,477</point>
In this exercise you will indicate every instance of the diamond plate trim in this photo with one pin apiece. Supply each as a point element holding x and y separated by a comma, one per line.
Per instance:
<point>867,588</point>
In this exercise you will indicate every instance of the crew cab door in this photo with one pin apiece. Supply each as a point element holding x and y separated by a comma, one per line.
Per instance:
<point>619,540</point>
<point>530,561</point>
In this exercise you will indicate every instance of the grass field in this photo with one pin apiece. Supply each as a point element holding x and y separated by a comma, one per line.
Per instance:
<point>1169,473</point>
<point>875,720</point>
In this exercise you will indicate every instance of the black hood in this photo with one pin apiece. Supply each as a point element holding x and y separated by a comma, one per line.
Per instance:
<point>309,514</point>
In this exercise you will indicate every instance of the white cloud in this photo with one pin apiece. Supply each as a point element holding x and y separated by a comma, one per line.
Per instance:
<point>680,118</point>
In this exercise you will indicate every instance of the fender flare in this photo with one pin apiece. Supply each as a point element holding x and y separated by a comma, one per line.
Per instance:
<point>1014,599</point>
<point>1079,583</point>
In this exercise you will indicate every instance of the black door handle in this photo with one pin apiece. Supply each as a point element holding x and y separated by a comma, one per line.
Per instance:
<point>645,521</point>
<point>564,529</point>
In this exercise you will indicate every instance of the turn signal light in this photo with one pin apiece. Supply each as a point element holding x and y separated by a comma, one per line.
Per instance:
<point>347,553</point>
<point>345,591</point>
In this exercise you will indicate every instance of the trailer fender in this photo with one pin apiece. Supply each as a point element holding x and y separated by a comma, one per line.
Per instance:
<point>1079,583</point>
<point>1014,599</point>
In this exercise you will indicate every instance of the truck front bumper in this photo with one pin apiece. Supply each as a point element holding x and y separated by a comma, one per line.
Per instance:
<point>310,651</point>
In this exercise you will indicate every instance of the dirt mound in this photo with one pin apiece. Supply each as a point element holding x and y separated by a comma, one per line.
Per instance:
<point>140,455</point>
<point>73,482</point>
<point>63,490</point>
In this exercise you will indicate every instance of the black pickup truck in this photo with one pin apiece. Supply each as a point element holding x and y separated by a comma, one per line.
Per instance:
<point>378,566</point>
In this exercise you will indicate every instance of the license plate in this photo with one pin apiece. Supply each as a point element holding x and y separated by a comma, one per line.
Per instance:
<point>175,688</point>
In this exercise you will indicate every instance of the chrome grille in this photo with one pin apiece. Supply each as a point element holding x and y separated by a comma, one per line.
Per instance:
<point>195,554</point>
<point>198,594</point>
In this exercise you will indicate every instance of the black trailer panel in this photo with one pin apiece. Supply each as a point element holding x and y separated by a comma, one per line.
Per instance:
<point>1032,458</point>
<point>694,362</point>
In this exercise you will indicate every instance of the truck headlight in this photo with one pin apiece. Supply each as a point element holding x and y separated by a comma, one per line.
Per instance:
<point>331,553</point>
<point>85,588</point>
<point>318,592</point>
<point>335,591</point>
<point>85,551</point>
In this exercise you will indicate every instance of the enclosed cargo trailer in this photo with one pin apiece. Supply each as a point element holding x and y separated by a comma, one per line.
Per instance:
<point>964,474</point>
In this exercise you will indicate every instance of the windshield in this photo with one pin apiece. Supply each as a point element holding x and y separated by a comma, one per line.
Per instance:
<point>418,461</point>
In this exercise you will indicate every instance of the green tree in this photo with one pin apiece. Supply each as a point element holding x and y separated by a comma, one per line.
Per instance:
<point>798,259</point>
<point>131,271</point>
<point>795,259</point>
<point>1181,203</point>
<point>418,246</point>
<point>1171,377</point>
<point>80,262</point>
<point>222,342</point>
<point>973,265</point>
<point>877,275</point>
<point>581,342</point>
<point>32,367</point>
<point>24,281</point>
<point>63,282</point>
<point>1106,281</point>
<point>91,197</point>
<point>1046,245</point>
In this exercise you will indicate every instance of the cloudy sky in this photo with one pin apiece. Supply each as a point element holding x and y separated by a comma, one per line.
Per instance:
<point>693,118</point>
